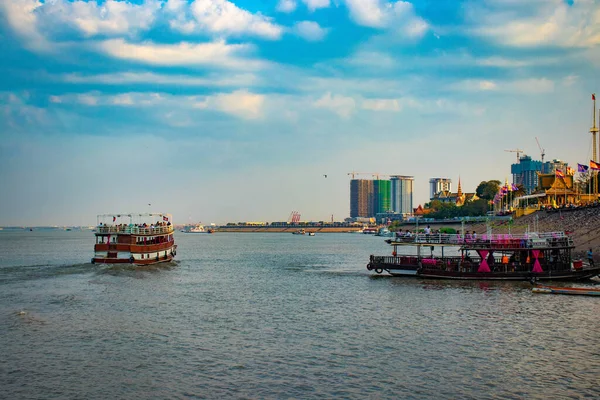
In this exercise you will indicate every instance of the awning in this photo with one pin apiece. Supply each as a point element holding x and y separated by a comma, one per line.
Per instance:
<point>531,196</point>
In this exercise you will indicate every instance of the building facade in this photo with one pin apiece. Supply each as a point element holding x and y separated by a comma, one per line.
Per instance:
<point>402,189</point>
<point>439,185</point>
<point>526,172</point>
<point>361,198</point>
<point>382,192</point>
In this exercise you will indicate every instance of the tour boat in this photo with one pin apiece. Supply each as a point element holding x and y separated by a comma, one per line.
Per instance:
<point>581,291</point>
<point>142,239</point>
<point>198,229</point>
<point>539,256</point>
<point>299,232</point>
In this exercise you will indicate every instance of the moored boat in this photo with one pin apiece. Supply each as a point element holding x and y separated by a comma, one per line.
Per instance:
<point>581,291</point>
<point>542,256</point>
<point>144,238</point>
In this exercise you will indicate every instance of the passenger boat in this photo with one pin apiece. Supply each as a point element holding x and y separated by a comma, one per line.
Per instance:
<point>566,290</point>
<point>299,232</point>
<point>197,229</point>
<point>543,256</point>
<point>142,239</point>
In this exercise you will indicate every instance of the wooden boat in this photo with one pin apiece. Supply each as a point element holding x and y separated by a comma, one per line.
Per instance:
<point>542,256</point>
<point>142,239</point>
<point>566,290</point>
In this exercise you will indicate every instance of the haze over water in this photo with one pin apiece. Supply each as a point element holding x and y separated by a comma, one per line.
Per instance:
<point>277,316</point>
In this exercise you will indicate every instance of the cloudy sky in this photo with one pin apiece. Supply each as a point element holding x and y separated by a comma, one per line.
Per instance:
<point>221,111</point>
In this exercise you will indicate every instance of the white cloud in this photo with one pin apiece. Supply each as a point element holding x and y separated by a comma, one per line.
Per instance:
<point>398,16</point>
<point>547,23</point>
<point>341,105</point>
<point>216,53</point>
<point>21,16</point>
<point>93,18</point>
<point>367,12</point>
<point>381,105</point>
<point>120,78</point>
<point>286,6</point>
<point>313,5</point>
<point>123,99</point>
<point>532,86</point>
<point>88,99</point>
<point>220,17</point>
<point>310,30</point>
<point>241,103</point>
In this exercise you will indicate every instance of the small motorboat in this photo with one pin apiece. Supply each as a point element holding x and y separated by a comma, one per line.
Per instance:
<point>311,234</point>
<point>566,290</point>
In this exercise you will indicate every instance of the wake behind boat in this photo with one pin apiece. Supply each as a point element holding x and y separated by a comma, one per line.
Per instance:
<point>543,256</point>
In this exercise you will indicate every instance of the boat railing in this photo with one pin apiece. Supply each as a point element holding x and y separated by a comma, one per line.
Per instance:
<point>527,240</point>
<point>135,230</point>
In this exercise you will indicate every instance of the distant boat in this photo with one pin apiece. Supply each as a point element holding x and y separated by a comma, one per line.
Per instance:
<point>566,290</point>
<point>198,229</point>
<point>311,234</point>
<point>299,232</point>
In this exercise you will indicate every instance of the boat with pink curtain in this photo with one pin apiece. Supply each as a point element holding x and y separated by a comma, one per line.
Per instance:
<point>529,256</point>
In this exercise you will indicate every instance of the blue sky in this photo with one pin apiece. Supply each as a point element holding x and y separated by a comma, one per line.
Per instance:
<point>221,111</point>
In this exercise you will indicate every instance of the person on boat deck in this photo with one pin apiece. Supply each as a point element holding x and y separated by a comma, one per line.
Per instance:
<point>474,236</point>
<point>590,256</point>
<point>427,231</point>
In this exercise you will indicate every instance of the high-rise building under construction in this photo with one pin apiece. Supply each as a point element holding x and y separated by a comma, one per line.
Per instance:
<point>361,198</point>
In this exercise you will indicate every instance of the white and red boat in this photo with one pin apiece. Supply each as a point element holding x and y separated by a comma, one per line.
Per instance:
<point>144,238</point>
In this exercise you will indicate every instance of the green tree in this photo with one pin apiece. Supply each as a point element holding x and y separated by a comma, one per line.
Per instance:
<point>487,190</point>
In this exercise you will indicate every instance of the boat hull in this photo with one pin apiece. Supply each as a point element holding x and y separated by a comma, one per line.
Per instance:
<point>566,290</point>
<point>148,261</point>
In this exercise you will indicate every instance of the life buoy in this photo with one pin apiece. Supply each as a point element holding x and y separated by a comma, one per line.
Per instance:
<point>131,259</point>
<point>378,270</point>
<point>369,266</point>
<point>394,253</point>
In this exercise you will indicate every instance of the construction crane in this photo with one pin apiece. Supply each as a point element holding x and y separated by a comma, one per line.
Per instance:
<point>518,151</point>
<point>542,151</point>
<point>364,173</point>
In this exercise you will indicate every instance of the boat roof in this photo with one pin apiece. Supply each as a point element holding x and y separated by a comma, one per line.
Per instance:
<point>151,214</point>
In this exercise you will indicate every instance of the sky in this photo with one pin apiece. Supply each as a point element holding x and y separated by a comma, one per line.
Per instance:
<point>223,111</point>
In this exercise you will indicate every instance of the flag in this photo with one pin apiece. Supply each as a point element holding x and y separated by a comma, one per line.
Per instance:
<point>570,171</point>
<point>593,96</point>
<point>515,187</point>
<point>114,219</point>
<point>559,174</point>
<point>594,165</point>
<point>582,168</point>
<point>165,218</point>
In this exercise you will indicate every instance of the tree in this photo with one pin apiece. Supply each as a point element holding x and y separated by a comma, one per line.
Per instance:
<point>487,190</point>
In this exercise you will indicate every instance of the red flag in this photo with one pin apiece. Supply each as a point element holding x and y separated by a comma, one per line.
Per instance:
<point>559,174</point>
<point>594,165</point>
<point>114,219</point>
<point>165,218</point>
<point>593,96</point>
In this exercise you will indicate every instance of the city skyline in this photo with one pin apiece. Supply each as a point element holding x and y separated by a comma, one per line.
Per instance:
<point>220,111</point>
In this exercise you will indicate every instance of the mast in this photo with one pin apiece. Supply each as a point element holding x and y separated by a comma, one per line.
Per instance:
<point>594,131</point>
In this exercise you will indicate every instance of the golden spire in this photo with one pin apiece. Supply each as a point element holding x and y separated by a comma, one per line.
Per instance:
<point>459,192</point>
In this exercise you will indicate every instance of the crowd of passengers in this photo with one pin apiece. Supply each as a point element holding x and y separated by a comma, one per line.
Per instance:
<point>124,227</point>
<point>570,207</point>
